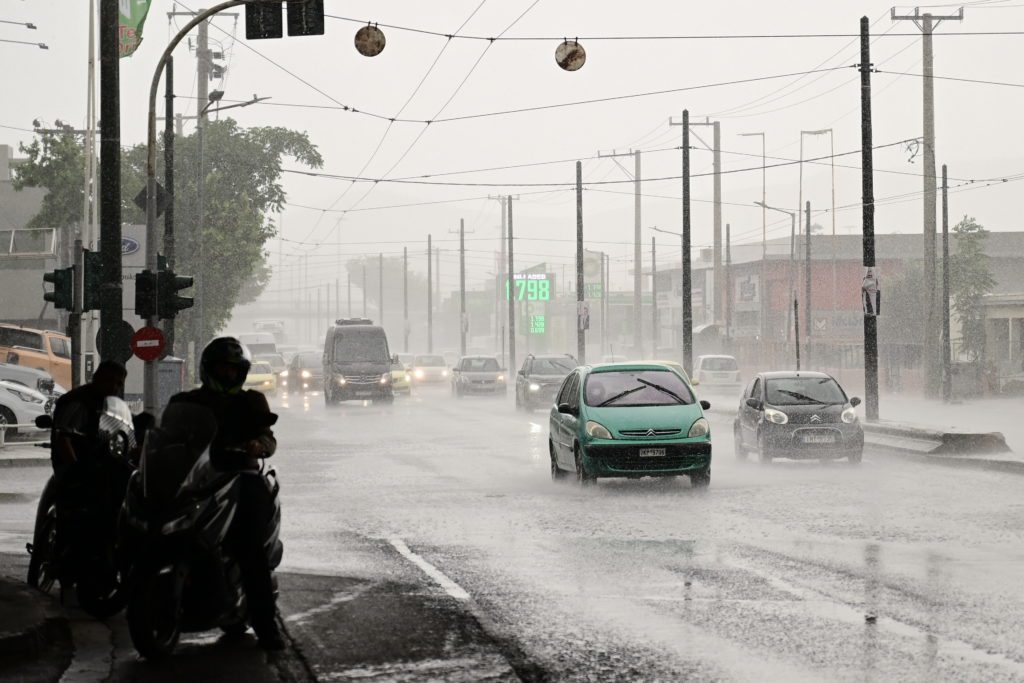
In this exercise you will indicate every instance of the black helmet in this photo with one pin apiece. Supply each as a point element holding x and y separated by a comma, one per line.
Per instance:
<point>224,351</point>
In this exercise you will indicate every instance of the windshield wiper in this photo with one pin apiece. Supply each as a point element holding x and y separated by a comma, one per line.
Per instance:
<point>623,394</point>
<point>664,390</point>
<point>799,396</point>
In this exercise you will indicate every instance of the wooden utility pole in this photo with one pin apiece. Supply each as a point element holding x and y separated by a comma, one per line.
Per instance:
<point>932,336</point>
<point>807,284</point>
<point>581,332</point>
<point>405,299</point>
<point>637,251</point>
<point>868,212</point>
<point>430,299</point>
<point>654,298</point>
<point>947,378</point>
<point>512,293</point>
<point>687,284</point>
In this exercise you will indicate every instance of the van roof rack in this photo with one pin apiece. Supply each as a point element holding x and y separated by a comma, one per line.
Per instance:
<point>353,321</point>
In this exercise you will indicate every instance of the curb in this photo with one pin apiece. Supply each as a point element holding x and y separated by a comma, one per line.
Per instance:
<point>24,462</point>
<point>49,625</point>
<point>965,462</point>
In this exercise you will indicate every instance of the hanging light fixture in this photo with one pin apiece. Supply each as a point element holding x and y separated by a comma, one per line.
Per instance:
<point>370,41</point>
<point>570,55</point>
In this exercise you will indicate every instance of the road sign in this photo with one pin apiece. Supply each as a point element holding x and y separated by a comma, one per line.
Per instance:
<point>148,343</point>
<point>122,350</point>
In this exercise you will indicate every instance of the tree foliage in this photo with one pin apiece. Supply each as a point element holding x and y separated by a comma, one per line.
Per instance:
<point>970,280</point>
<point>55,161</point>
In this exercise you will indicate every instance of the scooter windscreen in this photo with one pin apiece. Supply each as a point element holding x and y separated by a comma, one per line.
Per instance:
<point>174,449</point>
<point>116,426</point>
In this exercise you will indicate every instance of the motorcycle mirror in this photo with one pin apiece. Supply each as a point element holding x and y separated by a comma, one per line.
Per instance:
<point>44,422</point>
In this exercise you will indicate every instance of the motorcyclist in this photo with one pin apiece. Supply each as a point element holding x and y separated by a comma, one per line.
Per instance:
<point>80,481</point>
<point>243,437</point>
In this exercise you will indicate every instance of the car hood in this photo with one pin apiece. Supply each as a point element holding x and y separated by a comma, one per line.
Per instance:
<point>14,386</point>
<point>362,368</point>
<point>490,374</point>
<point>804,414</point>
<point>645,417</point>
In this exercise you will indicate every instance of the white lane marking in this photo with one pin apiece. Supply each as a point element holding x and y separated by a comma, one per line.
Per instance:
<point>453,589</point>
<point>336,599</point>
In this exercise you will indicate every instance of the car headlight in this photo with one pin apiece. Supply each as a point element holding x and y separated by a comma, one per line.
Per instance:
<point>266,382</point>
<point>597,430</point>
<point>408,377</point>
<point>444,373</point>
<point>341,381</point>
<point>501,378</point>
<point>419,373</point>
<point>26,397</point>
<point>699,427</point>
<point>284,373</point>
<point>849,416</point>
<point>385,378</point>
<point>534,387</point>
<point>284,383</point>
<point>306,374</point>
<point>776,416</point>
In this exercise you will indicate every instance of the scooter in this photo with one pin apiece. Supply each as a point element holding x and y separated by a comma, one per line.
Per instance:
<point>176,517</point>
<point>82,550</point>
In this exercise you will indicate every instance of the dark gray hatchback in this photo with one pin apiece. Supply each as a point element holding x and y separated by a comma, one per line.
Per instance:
<point>800,415</point>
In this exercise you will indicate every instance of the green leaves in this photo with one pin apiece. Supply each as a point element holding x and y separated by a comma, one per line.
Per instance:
<point>970,281</point>
<point>56,162</point>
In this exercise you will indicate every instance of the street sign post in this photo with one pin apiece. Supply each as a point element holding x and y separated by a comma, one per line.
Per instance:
<point>148,343</point>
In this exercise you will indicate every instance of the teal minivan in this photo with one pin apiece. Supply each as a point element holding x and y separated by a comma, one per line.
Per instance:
<point>629,420</point>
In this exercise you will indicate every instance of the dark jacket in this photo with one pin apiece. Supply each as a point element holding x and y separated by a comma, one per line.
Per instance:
<point>76,417</point>
<point>241,417</point>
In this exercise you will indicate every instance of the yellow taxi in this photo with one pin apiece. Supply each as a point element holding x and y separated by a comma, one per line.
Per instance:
<point>261,377</point>
<point>401,378</point>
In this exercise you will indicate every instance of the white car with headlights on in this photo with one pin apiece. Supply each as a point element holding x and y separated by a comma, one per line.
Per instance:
<point>478,375</point>
<point>430,369</point>
<point>21,405</point>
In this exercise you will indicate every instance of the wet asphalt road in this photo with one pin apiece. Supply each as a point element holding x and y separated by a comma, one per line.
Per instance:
<point>432,532</point>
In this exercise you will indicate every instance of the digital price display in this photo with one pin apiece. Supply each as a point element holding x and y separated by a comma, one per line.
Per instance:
<point>531,287</point>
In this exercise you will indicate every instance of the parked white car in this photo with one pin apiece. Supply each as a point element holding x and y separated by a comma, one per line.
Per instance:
<point>21,405</point>
<point>714,372</point>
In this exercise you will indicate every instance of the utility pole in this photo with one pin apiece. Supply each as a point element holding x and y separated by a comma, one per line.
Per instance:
<point>716,151</point>
<point>947,379</point>
<point>654,298</point>
<point>169,187</point>
<point>512,289</point>
<point>868,211</point>
<point>405,298</point>
<point>796,327</point>
<point>111,299</point>
<point>932,337</point>
<point>198,242</point>
<point>604,303</point>
<point>637,252</point>
<point>364,287</point>
<point>380,287</point>
<point>348,292</point>
<point>763,287</point>
<point>807,282</point>
<point>687,284</point>
<point>462,287</point>
<point>728,284</point>
<point>581,333</point>
<point>502,277</point>
<point>430,298</point>
<point>337,298</point>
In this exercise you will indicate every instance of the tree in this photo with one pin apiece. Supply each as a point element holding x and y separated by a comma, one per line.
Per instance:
<point>970,280</point>
<point>242,187</point>
<point>903,306</point>
<point>54,161</point>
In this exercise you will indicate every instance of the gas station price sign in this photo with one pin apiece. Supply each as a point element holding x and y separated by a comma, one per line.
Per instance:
<point>530,287</point>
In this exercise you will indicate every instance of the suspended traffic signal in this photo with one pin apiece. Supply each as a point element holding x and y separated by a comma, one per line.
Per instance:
<point>306,17</point>
<point>263,20</point>
<point>145,294</point>
<point>62,295</point>
<point>168,301</point>
<point>92,277</point>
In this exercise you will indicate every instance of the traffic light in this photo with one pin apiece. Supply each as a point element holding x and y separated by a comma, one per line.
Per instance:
<point>263,20</point>
<point>91,281</point>
<point>145,294</point>
<point>306,18</point>
<point>62,295</point>
<point>168,301</point>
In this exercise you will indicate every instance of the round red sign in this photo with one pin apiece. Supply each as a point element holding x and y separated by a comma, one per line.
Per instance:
<point>148,343</point>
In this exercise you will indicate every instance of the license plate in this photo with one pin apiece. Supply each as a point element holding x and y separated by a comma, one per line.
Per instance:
<point>819,438</point>
<point>652,452</point>
<point>364,393</point>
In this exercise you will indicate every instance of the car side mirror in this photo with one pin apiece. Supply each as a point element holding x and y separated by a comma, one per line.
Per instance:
<point>521,372</point>
<point>706,405</point>
<point>754,403</point>
<point>565,408</point>
<point>855,401</point>
<point>394,358</point>
<point>44,422</point>
<point>695,382</point>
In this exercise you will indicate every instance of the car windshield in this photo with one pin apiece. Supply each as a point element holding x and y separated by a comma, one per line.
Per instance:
<point>261,369</point>
<point>719,365</point>
<point>10,336</point>
<point>429,361</point>
<point>553,366</point>
<point>275,360</point>
<point>797,391</point>
<point>479,365</point>
<point>309,359</point>
<point>624,388</point>
<point>360,346</point>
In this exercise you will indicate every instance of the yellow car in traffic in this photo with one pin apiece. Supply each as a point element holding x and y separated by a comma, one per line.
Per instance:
<point>261,377</point>
<point>401,379</point>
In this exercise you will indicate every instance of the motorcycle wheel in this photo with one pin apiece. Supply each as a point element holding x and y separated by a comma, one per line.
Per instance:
<point>101,597</point>
<point>42,566</point>
<point>153,611</point>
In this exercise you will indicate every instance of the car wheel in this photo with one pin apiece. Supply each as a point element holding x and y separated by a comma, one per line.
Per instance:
<point>519,403</point>
<point>557,473</point>
<point>583,478</point>
<point>855,457</point>
<point>737,441</point>
<point>763,454</point>
<point>8,418</point>
<point>701,479</point>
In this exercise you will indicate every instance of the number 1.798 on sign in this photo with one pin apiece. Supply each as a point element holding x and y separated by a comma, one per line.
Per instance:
<point>530,287</point>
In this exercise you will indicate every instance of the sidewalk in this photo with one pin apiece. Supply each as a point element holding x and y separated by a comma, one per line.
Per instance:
<point>981,415</point>
<point>15,454</point>
<point>31,626</point>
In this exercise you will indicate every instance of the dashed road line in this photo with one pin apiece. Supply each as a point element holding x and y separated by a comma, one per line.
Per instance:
<point>453,589</point>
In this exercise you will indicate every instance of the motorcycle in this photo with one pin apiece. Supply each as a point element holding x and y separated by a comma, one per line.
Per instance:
<point>80,548</point>
<point>177,514</point>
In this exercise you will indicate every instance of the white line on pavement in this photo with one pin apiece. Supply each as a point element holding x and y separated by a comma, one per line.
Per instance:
<point>336,599</point>
<point>453,589</point>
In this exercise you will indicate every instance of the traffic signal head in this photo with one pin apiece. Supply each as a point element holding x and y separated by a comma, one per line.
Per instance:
<point>168,301</point>
<point>263,20</point>
<point>62,295</point>
<point>91,281</point>
<point>145,294</point>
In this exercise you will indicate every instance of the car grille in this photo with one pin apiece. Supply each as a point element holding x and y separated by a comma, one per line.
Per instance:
<point>362,379</point>
<point>627,458</point>
<point>649,432</point>
<point>806,419</point>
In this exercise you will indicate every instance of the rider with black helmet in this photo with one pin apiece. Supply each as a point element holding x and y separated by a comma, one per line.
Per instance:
<point>243,437</point>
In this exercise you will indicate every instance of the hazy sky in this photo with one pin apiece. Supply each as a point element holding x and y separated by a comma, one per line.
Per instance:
<point>978,130</point>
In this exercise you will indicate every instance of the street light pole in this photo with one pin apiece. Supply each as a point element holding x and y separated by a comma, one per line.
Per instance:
<point>792,249</point>
<point>763,288</point>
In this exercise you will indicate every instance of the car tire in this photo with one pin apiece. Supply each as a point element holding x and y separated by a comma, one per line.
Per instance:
<point>701,479</point>
<point>855,457</point>
<point>557,473</point>
<point>763,454</point>
<point>583,478</point>
<point>737,440</point>
<point>519,403</point>
<point>8,418</point>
